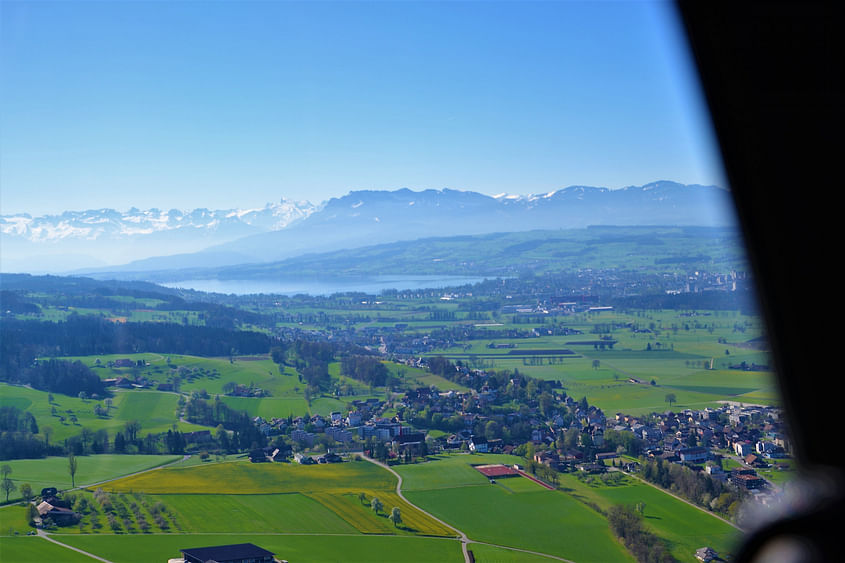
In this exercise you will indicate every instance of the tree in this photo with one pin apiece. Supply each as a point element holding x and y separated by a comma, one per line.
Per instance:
<point>31,513</point>
<point>376,505</point>
<point>596,364</point>
<point>26,492</point>
<point>5,471</point>
<point>72,466</point>
<point>395,516</point>
<point>8,487</point>
<point>362,497</point>
<point>131,429</point>
<point>670,398</point>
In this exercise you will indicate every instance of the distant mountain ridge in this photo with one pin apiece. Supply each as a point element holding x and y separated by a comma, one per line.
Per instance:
<point>366,217</point>
<point>113,236</point>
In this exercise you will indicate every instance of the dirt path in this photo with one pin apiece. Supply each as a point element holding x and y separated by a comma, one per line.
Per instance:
<point>43,534</point>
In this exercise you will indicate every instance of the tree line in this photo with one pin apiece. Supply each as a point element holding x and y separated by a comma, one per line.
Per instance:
<point>87,335</point>
<point>696,486</point>
<point>626,523</point>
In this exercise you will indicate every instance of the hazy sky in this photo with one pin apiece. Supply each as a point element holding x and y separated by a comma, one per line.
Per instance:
<point>234,104</point>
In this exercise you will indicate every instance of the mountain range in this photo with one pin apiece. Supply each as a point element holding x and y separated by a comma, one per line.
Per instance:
<point>103,237</point>
<point>155,240</point>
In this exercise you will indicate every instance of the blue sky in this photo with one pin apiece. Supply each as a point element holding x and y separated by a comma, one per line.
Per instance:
<point>234,104</point>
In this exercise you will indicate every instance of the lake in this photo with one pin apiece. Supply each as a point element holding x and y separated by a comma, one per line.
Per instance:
<point>324,286</point>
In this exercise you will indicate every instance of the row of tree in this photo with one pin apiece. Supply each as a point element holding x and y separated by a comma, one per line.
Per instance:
<point>696,486</point>
<point>626,523</point>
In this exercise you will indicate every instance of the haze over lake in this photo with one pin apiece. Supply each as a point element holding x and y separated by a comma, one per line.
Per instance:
<point>324,286</point>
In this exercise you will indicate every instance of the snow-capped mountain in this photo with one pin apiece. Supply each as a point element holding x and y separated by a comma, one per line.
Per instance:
<point>95,237</point>
<point>367,217</point>
<point>144,241</point>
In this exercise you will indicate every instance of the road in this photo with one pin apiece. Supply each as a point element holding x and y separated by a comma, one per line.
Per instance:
<point>465,540</point>
<point>44,535</point>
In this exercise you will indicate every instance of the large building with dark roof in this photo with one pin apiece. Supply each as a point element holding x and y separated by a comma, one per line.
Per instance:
<point>235,553</point>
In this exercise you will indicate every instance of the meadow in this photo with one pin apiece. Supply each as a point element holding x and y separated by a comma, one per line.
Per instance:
<point>515,508</point>
<point>53,471</point>
<point>66,416</point>
<point>685,354</point>
<point>515,512</point>
<point>26,549</point>
<point>333,488</point>
<point>292,547</point>
<point>685,528</point>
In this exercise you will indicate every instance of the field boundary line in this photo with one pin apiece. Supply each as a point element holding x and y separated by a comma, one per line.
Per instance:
<point>43,534</point>
<point>185,457</point>
<point>692,504</point>
<point>541,554</point>
<point>463,537</point>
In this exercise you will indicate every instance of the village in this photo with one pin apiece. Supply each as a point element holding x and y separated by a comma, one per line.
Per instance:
<point>729,444</point>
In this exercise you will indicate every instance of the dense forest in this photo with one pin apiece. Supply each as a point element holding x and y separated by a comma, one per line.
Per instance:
<point>89,335</point>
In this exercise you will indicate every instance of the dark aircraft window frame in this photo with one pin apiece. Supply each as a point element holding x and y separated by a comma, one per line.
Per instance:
<point>772,77</point>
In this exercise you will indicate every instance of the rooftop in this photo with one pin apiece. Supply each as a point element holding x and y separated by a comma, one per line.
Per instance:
<point>227,553</point>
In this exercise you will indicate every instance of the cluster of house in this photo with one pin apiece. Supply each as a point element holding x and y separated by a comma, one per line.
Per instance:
<point>54,508</point>
<point>127,382</point>
<point>361,421</point>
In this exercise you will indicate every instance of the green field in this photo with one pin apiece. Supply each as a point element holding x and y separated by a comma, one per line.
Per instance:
<point>683,347</point>
<point>448,471</point>
<point>452,489</point>
<point>155,410</point>
<point>333,488</point>
<point>515,512</point>
<point>686,528</point>
<point>37,550</point>
<point>53,471</point>
<point>286,507</point>
<point>301,548</point>
<point>288,513</point>
<point>484,553</point>
<point>539,520</point>
<point>243,477</point>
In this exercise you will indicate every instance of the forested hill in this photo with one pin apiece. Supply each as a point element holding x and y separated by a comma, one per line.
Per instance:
<point>26,294</point>
<point>648,249</point>
<point>78,336</point>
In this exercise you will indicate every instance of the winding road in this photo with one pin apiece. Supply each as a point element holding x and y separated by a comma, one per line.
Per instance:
<point>465,540</point>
